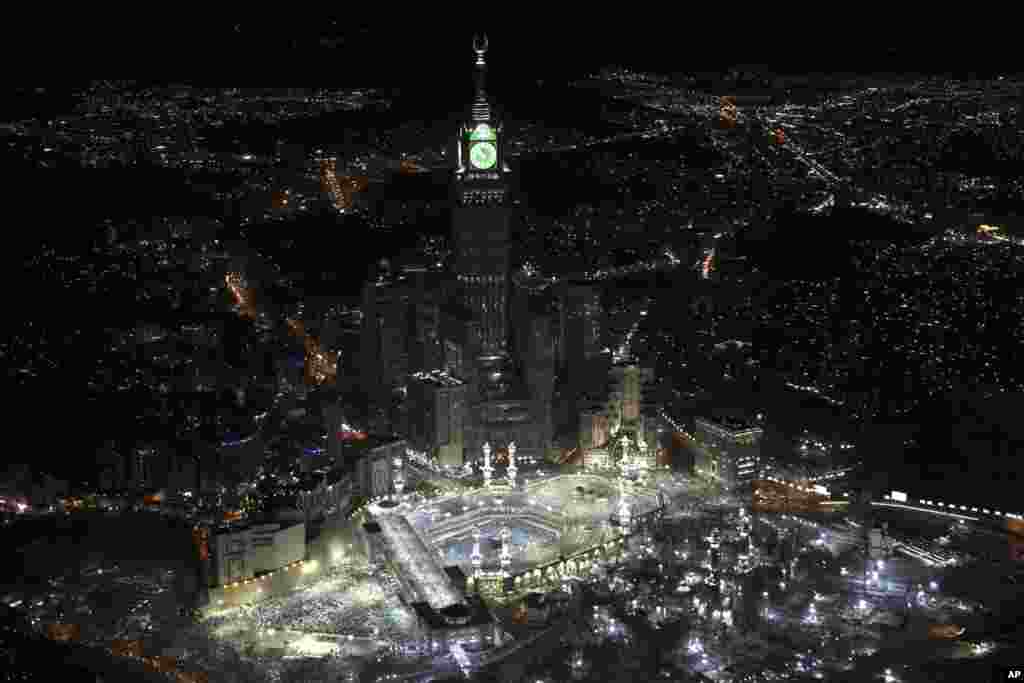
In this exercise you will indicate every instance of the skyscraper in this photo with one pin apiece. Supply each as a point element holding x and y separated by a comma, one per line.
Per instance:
<point>401,331</point>
<point>439,410</point>
<point>581,323</point>
<point>626,399</point>
<point>579,354</point>
<point>500,407</point>
<point>481,219</point>
<point>730,449</point>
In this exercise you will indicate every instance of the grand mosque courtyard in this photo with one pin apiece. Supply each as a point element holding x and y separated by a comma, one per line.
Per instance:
<point>701,586</point>
<point>547,518</point>
<point>353,612</point>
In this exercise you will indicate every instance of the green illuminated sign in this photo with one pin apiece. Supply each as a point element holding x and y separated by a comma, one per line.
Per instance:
<point>482,132</point>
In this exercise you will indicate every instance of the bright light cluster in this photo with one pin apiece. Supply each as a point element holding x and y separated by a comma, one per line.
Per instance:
<point>307,566</point>
<point>417,561</point>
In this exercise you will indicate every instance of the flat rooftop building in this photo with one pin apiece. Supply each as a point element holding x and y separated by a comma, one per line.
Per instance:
<point>730,449</point>
<point>437,415</point>
<point>373,457</point>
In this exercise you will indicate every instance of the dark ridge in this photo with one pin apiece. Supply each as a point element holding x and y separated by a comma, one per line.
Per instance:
<point>780,247</point>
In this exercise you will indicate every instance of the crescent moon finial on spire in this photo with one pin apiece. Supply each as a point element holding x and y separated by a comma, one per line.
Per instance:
<point>480,47</point>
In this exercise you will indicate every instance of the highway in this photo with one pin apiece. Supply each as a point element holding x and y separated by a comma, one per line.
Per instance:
<point>669,262</point>
<point>666,263</point>
<point>645,134</point>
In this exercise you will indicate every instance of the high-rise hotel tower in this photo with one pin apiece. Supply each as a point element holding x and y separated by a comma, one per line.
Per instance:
<point>481,220</point>
<point>500,406</point>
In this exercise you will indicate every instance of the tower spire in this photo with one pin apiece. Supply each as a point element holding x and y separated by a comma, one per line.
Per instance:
<point>480,48</point>
<point>481,108</point>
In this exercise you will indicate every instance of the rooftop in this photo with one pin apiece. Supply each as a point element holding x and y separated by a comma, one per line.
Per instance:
<point>370,442</point>
<point>730,423</point>
<point>734,343</point>
<point>438,378</point>
<point>259,525</point>
<point>410,281</point>
<point>471,613</point>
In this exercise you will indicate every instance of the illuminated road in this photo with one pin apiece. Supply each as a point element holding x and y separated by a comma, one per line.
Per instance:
<point>1011,522</point>
<point>321,366</point>
<point>537,281</point>
<point>874,201</point>
<point>243,298</point>
<point>646,134</point>
<point>341,188</point>
<point>711,107</point>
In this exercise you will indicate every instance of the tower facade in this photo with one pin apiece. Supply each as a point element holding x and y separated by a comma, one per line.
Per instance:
<point>507,395</point>
<point>481,219</point>
<point>580,323</point>
<point>580,361</point>
<point>438,415</point>
<point>730,450</point>
<point>626,396</point>
<point>400,331</point>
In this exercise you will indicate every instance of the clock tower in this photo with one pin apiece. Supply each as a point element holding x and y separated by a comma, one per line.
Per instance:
<point>500,408</point>
<point>480,222</point>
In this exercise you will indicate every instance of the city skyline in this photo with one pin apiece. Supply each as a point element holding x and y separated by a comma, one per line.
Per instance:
<point>684,295</point>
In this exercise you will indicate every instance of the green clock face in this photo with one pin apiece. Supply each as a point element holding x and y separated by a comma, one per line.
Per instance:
<point>482,132</point>
<point>483,155</point>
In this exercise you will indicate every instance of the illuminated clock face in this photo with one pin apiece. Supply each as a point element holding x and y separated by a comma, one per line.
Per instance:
<point>483,155</point>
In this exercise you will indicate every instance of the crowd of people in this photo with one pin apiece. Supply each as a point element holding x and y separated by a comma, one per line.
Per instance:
<point>346,602</point>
